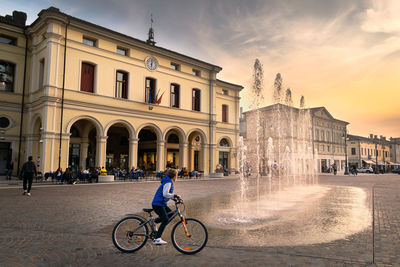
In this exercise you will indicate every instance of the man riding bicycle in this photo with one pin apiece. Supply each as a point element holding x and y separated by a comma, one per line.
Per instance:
<point>163,194</point>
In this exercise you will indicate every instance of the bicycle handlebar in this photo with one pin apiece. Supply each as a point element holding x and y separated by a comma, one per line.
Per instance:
<point>177,201</point>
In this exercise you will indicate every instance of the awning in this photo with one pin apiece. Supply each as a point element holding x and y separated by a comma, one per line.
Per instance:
<point>369,162</point>
<point>379,163</point>
<point>394,164</point>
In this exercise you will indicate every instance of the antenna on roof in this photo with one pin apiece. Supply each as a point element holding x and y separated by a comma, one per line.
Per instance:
<point>150,40</point>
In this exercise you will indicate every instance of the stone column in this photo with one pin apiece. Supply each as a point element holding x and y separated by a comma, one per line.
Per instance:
<point>203,159</point>
<point>183,155</point>
<point>160,155</point>
<point>212,160</point>
<point>101,151</point>
<point>133,152</point>
<point>84,152</point>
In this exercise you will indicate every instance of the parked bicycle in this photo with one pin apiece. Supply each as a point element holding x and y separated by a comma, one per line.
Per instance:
<point>188,235</point>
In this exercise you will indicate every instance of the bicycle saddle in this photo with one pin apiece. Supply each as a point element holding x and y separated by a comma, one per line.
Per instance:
<point>147,210</point>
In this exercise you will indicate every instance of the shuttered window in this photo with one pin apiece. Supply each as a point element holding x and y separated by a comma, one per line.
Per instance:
<point>196,99</point>
<point>224,113</point>
<point>175,95</point>
<point>121,87</point>
<point>87,77</point>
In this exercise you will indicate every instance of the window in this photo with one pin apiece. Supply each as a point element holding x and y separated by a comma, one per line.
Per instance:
<point>328,148</point>
<point>7,72</point>
<point>89,41</point>
<point>4,122</point>
<point>122,51</point>
<point>316,134</point>
<point>175,88</point>
<point>8,40</point>
<point>87,77</point>
<point>225,92</point>
<point>353,150</point>
<point>224,142</point>
<point>196,72</point>
<point>322,135</point>
<point>41,73</point>
<point>150,93</point>
<point>196,99</point>
<point>175,66</point>
<point>224,113</point>
<point>328,136</point>
<point>121,87</point>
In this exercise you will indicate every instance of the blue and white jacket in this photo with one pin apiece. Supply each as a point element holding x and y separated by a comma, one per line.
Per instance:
<point>164,192</point>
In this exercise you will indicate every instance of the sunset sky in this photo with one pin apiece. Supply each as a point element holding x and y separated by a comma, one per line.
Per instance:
<point>344,55</point>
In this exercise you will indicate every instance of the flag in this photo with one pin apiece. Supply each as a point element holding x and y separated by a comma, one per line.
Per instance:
<point>158,101</point>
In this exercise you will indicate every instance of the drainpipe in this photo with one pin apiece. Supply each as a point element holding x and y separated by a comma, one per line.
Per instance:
<point>63,89</point>
<point>23,101</point>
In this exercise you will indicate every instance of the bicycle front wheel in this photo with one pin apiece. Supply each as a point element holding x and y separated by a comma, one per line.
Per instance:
<point>130,234</point>
<point>191,241</point>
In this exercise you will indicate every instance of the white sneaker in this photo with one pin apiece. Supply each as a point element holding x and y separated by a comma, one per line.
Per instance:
<point>28,194</point>
<point>24,192</point>
<point>159,241</point>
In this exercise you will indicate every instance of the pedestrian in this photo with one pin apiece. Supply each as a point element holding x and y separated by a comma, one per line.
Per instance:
<point>58,174</point>
<point>334,169</point>
<point>10,167</point>
<point>27,172</point>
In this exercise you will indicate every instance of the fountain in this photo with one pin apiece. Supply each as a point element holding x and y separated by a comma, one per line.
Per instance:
<point>284,183</point>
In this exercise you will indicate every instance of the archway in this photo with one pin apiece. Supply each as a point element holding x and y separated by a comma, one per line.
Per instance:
<point>117,147</point>
<point>196,141</point>
<point>83,145</point>
<point>224,153</point>
<point>147,149</point>
<point>174,149</point>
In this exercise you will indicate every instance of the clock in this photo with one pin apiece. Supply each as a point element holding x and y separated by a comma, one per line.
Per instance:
<point>151,63</point>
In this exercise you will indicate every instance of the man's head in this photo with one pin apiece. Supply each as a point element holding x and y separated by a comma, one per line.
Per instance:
<point>172,173</point>
<point>30,158</point>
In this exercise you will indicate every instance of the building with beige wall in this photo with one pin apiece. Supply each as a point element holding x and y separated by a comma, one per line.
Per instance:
<point>366,151</point>
<point>311,132</point>
<point>118,102</point>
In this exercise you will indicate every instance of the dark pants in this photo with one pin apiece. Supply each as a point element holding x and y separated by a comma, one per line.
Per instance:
<point>28,178</point>
<point>163,213</point>
<point>9,172</point>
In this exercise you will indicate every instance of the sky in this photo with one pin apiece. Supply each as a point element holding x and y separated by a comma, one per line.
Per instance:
<point>343,55</point>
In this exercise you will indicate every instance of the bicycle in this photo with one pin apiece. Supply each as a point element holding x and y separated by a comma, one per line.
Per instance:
<point>188,235</point>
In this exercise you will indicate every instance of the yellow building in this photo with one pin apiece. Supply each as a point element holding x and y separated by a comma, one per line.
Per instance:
<point>111,99</point>
<point>366,151</point>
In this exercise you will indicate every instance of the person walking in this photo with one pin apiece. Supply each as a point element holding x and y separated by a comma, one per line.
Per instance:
<point>27,172</point>
<point>10,167</point>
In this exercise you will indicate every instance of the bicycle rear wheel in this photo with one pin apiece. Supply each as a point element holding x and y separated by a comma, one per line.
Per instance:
<point>130,234</point>
<point>192,243</point>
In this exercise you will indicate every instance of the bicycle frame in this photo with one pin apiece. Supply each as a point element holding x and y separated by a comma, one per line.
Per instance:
<point>174,213</point>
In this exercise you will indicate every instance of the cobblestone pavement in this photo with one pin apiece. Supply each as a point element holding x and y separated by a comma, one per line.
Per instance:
<point>71,225</point>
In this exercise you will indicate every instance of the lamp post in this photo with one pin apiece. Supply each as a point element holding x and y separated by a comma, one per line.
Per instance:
<point>376,156</point>
<point>346,168</point>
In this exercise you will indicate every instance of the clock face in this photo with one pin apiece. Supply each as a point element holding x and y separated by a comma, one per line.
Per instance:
<point>151,63</point>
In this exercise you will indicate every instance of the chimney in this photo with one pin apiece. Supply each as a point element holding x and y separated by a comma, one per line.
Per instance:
<point>371,136</point>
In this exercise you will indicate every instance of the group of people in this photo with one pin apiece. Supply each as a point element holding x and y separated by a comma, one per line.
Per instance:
<point>89,174</point>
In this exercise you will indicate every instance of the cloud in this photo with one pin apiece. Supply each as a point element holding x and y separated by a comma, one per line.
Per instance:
<point>383,16</point>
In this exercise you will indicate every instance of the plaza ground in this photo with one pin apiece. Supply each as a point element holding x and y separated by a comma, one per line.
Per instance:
<point>70,225</point>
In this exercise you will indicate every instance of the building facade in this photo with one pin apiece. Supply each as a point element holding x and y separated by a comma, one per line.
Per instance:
<point>95,97</point>
<point>367,151</point>
<point>310,134</point>
<point>328,139</point>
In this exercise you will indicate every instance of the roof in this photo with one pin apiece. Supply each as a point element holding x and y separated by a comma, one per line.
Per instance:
<point>240,87</point>
<point>313,110</point>
<point>55,11</point>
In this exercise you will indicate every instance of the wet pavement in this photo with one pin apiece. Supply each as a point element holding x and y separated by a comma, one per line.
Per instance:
<point>329,224</point>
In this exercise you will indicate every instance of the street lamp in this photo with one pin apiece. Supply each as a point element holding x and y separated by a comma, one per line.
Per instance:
<point>346,169</point>
<point>376,156</point>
